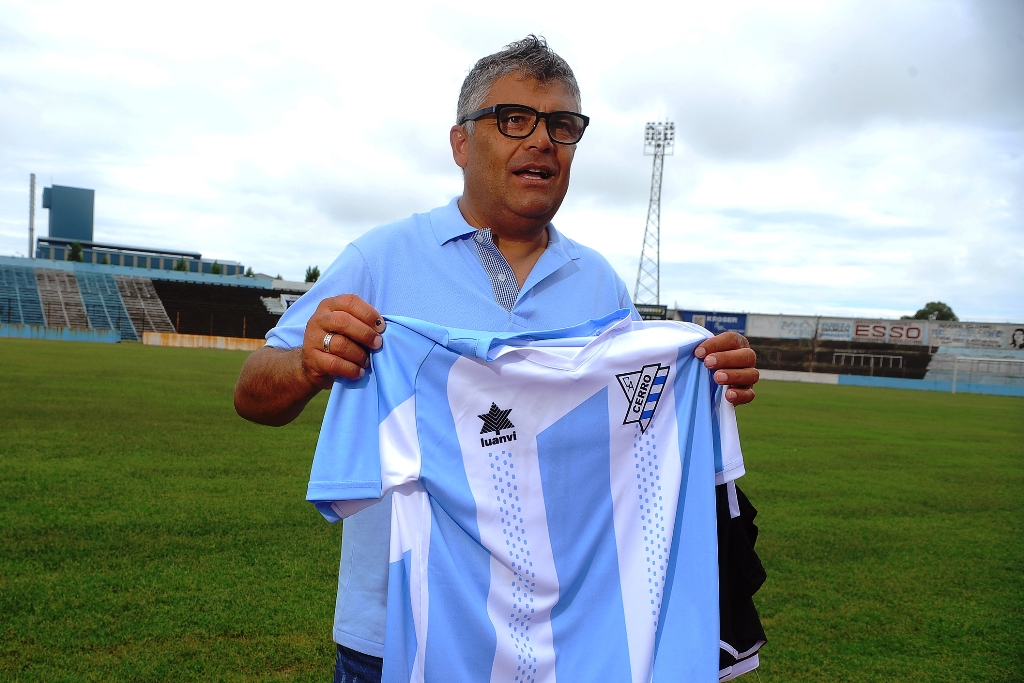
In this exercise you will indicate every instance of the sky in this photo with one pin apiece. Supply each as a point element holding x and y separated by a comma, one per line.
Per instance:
<point>841,158</point>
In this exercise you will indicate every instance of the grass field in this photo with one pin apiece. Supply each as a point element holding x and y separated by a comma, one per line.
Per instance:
<point>149,534</point>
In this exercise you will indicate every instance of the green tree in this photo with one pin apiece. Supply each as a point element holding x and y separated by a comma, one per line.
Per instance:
<point>933,310</point>
<point>181,266</point>
<point>215,269</point>
<point>312,273</point>
<point>106,260</point>
<point>279,277</point>
<point>249,273</point>
<point>75,253</point>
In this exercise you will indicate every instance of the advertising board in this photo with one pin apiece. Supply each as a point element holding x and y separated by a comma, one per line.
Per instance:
<point>1015,337</point>
<point>716,322</point>
<point>835,330</point>
<point>796,327</point>
<point>969,335</point>
<point>908,332</point>
<point>891,331</point>
<point>932,333</point>
<point>652,311</point>
<point>781,326</point>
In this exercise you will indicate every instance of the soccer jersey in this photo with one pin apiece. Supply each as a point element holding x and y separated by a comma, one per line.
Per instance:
<point>553,512</point>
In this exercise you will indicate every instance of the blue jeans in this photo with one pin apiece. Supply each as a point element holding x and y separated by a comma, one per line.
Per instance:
<point>355,667</point>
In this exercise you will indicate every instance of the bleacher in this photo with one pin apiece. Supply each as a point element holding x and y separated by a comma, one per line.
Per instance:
<point>143,305</point>
<point>61,300</point>
<point>104,306</point>
<point>197,308</point>
<point>133,301</point>
<point>19,296</point>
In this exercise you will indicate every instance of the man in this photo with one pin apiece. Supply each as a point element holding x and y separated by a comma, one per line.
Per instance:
<point>490,260</point>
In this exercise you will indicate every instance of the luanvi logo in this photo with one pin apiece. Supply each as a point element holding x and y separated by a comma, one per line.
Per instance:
<point>496,420</point>
<point>643,391</point>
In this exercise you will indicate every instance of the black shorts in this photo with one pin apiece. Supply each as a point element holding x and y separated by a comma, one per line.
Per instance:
<point>740,575</point>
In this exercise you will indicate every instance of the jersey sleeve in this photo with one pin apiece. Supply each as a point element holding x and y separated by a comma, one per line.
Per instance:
<point>369,441</point>
<point>348,274</point>
<point>728,455</point>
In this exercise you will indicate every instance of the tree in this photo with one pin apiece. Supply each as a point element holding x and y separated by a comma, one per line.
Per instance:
<point>105,261</point>
<point>933,310</point>
<point>75,254</point>
<point>249,273</point>
<point>312,273</point>
<point>279,277</point>
<point>215,269</point>
<point>181,266</point>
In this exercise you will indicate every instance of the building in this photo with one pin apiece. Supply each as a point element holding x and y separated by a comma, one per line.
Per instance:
<point>71,221</point>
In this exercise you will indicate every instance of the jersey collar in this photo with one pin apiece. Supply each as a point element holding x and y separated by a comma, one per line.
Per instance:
<point>489,346</point>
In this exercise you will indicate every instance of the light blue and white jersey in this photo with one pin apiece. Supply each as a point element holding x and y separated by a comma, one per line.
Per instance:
<point>553,512</point>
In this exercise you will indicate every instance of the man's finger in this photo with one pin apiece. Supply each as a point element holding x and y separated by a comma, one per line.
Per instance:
<point>744,378</point>
<point>346,349</point>
<point>727,341</point>
<point>347,325</point>
<point>324,367</point>
<point>739,395</point>
<point>357,308</point>
<point>741,358</point>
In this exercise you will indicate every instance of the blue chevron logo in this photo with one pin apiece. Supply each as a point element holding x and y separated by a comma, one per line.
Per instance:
<point>643,391</point>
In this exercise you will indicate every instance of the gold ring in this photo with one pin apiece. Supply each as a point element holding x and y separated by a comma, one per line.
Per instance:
<point>327,342</point>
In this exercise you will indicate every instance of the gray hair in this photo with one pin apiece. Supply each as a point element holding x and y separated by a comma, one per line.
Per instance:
<point>530,56</point>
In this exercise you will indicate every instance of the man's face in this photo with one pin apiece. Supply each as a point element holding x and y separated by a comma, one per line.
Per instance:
<point>517,183</point>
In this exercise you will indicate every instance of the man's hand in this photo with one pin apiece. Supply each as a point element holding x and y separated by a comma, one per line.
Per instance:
<point>355,327</point>
<point>275,385</point>
<point>730,354</point>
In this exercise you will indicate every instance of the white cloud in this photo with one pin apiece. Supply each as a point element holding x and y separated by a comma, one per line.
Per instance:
<point>841,158</point>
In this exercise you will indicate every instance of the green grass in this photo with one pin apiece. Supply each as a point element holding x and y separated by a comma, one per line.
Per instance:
<point>147,533</point>
<point>891,530</point>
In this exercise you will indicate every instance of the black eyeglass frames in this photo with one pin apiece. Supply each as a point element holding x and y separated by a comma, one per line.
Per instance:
<point>519,121</point>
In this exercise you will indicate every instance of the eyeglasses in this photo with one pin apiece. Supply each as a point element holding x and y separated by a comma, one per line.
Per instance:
<point>519,121</point>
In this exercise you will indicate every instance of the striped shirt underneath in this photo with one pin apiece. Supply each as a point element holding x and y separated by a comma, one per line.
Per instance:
<point>503,280</point>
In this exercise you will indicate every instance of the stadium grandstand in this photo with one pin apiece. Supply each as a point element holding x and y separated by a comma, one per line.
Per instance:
<point>109,292</point>
<point>132,301</point>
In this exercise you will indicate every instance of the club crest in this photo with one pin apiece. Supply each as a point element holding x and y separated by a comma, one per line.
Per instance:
<point>643,391</point>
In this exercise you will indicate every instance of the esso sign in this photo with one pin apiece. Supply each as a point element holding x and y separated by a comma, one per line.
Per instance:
<point>900,332</point>
<point>869,331</point>
<point>893,332</point>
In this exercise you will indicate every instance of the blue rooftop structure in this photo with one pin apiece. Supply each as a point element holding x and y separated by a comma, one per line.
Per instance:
<point>71,212</point>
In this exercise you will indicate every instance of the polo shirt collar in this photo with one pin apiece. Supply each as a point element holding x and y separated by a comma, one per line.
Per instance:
<point>449,224</point>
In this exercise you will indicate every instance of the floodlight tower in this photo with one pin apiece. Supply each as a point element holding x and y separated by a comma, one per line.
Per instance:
<point>659,140</point>
<point>31,215</point>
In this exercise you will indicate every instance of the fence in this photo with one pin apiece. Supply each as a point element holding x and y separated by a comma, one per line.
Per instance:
<point>1009,367</point>
<point>201,341</point>
<point>857,360</point>
<point>59,333</point>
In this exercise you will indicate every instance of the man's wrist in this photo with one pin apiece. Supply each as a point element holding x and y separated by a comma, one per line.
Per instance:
<point>305,386</point>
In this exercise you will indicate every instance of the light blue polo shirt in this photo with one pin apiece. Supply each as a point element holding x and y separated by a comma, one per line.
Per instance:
<point>436,267</point>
